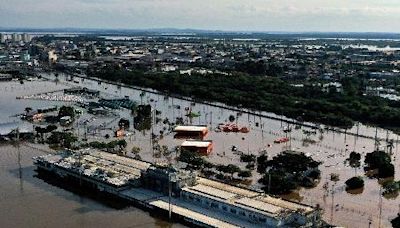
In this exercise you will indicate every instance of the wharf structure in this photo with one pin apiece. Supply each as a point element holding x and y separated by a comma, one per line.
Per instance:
<point>181,194</point>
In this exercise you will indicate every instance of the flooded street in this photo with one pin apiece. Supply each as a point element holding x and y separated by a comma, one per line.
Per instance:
<point>45,205</point>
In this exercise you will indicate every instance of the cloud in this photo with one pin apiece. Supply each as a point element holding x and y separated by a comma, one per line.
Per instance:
<point>262,15</point>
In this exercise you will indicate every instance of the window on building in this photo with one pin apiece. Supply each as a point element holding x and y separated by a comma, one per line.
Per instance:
<point>214,205</point>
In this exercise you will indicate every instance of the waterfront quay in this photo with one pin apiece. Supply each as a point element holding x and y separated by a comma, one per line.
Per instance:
<point>176,193</point>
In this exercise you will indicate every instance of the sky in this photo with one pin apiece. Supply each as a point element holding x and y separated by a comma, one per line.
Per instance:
<point>229,15</point>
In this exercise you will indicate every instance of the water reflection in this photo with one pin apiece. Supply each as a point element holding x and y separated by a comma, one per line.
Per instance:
<point>42,201</point>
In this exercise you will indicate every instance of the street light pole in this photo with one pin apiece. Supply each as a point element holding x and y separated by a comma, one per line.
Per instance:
<point>169,195</point>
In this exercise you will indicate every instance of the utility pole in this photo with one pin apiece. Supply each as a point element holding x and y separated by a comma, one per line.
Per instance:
<point>80,170</point>
<point>169,197</point>
<point>380,206</point>
<point>333,200</point>
<point>376,139</point>
<point>19,157</point>
<point>369,222</point>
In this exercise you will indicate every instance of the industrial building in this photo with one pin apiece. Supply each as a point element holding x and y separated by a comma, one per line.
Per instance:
<point>15,130</point>
<point>182,193</point>
<point>194,132</point>
<point>248,205</point>
<point>201,147</point>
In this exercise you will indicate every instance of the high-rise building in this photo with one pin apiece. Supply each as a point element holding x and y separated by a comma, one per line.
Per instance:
<point>52,56</point>
<point>15,37</point>
<point>2,38</point>
<point>26,38</point>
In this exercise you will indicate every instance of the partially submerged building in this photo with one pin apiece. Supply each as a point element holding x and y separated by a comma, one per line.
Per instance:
<point>201,147</point>
<point>197,200</point>
<point>194,132</point>
<point>106,172</point>
<point>14,130</point>
<point>82,92</point>
<point>251,206</point>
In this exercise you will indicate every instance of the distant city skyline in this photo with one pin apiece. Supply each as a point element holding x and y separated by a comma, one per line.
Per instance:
<point>226,15</point>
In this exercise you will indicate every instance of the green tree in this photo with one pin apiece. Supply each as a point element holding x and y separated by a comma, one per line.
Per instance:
<point>354,183</point>
<point>66,111</point>
<point>244,174</point>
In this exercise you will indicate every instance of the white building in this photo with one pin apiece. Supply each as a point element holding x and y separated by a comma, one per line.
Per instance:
<point>253,207</point>
<point>26,38</point>
<point>52,56</point>
<point>2,38</point>
<point>16,37</point>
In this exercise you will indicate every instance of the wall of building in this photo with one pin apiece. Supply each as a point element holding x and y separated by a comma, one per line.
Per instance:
<point>232,210</point>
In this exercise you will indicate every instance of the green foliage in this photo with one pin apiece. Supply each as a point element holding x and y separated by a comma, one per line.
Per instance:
<point>262,163</point>
<point>120,144</point>
<point>247,158</point>
<point>193,159</point>
<point>376,159</point>
<point>142,120</point>
<point>396,222</point>
<point>63,139</point>
<point>354,159</point>
<point>230,169</point>
<point>354,183</point>
<point>287,171</point>
<point>66,111</point>
<point>51,128</point>
<point>292,162</point>
<point>45,130</point>
<point>135,150</point>
<point>193,114</point>
<point>244,174</point>
<point>355,156</point>
<point>386,170</point>
<point>391,187</point>
<point>380,160</point>
<point>278,182</point>
<point>268,94</point>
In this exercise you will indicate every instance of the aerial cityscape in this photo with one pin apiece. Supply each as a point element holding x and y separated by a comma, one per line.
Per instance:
<point>209,121</point>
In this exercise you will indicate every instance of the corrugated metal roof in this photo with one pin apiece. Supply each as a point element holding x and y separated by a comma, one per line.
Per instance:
<point>190,128</point>
<point>259,205</point>
<point>213,191</point>
<point>192,143</point>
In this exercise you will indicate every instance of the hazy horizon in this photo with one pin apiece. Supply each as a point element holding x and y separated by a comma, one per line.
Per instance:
<point>224,15</point>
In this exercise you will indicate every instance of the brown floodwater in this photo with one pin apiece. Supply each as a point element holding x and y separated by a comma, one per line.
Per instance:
<point>350,209</point>
<point>27,200</point>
